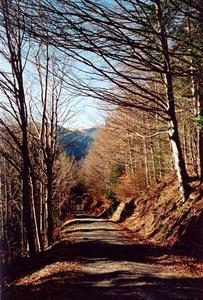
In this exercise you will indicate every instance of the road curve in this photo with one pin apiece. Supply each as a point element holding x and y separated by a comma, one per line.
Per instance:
<point>112,266</point>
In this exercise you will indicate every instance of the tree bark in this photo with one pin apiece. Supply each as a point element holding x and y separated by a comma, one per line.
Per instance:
<point>179,162</point>
<point>200,109</point>
<point>27,208</point>
<point>36,223</point>
<point>174,137</point>
<point>200,99</point>
<point>146,162</point>
<point>50,204</point>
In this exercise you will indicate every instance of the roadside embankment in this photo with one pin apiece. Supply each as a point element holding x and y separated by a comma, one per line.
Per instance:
<point>159,217</point>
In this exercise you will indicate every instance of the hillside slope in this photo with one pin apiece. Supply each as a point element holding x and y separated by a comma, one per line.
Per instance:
<point>77,142</point>
<point>159,217</point>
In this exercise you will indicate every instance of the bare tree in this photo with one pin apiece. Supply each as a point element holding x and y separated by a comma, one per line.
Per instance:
<point>12,87</point>
<point>53,109</point>
<point>132,44</point>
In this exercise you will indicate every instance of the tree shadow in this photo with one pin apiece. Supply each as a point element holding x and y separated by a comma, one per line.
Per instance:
<point>89,230</point>
<point>112,285</point>
<point>64,250</point>
<point>98,280</point>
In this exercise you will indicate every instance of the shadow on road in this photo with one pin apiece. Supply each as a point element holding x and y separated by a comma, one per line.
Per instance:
<point>118,285</point>
<point>64,251</point>
<point>111,269</point>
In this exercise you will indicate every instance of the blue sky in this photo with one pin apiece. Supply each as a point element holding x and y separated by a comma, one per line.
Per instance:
<point>86,111</point>
<point>88,114</point>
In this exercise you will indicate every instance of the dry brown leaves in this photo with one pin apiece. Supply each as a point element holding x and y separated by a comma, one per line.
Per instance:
<point>52,271</point>
<point>181,266</point>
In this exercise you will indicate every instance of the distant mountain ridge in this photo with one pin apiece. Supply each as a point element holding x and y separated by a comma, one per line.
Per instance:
<point>77,142</point>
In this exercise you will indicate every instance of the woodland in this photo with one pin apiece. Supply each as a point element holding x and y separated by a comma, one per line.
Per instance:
<point>143,60</point>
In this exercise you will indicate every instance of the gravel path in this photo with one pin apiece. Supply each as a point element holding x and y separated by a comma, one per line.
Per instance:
<point>97,259</point>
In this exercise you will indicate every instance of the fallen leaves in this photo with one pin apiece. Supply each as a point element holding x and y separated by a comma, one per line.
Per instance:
<point>180,266</point>
<point>49,272</point>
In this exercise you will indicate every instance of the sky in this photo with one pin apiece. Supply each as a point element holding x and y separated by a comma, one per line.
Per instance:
<point>88,114</point>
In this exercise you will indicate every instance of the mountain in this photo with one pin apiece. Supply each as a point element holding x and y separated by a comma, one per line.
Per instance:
<point>77,142</point>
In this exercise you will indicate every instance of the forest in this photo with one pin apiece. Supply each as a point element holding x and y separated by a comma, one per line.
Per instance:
<point>143,61</point>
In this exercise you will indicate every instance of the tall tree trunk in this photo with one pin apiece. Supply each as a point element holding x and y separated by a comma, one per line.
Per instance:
<point>27,212</point>
<point>41,209</point>
<point>200,110</point>
<point>50,203</point>
<point>130,151</point>
<point>6,210</point>
<point>153,167</point>
<point>174,137</point>
<point>178,159</point>
<point>146,162</point>
<point>36,222</point>
<point>1,205</point>
<point>179,162</point>
<point>200,101</point>
<point>26,198</point>
<point>160,167</point>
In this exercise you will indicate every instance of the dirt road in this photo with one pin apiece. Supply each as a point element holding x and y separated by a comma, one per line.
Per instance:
<point>97,259</point>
